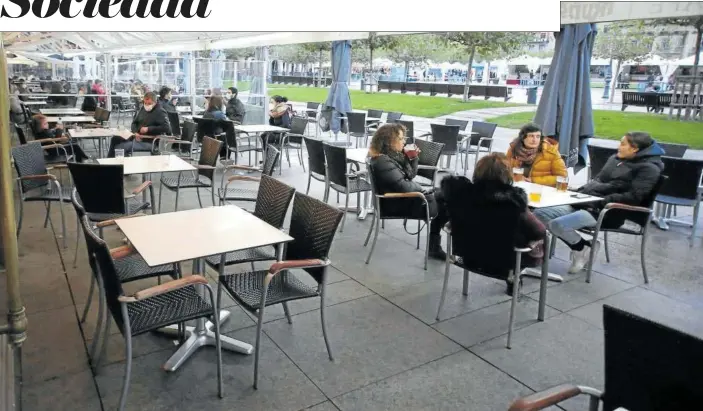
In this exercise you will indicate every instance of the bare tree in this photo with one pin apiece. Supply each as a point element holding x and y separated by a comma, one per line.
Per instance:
<point>323,51</point>
<point>414,48</point>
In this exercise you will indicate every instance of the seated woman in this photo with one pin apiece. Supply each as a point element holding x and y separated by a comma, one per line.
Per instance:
<point>394,167</point>
<point>279,115</point>
<point>489,218</point>
<point>539,159</point>
<point>628,177</point>
<point>48,136</point>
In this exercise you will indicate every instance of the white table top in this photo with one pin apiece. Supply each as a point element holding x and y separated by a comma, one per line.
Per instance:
<point>464,133</point>
<point>258,128</point>
<point>35,103</point>
<point>357,155</point>
<point>69,111</point>
<point>150,164</point>
<point>551,197</point>
<point>99,132</point>
<point>187,235</point>
<point>70,119</point>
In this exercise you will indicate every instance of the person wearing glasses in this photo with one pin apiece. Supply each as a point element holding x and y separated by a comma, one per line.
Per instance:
<point>539,159</point>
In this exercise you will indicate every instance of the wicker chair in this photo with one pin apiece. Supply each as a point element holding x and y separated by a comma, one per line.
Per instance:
<point>207,164</point>
<point>36,184</point>
<point>428,161</point>
<point>272,202</point>
<point>313,225</point>
<point>342,181</point>
<point>482,142</point>
<point>176,301</point>
<point>293,139</point>
<point>316,162</point>
<point>224,193</point>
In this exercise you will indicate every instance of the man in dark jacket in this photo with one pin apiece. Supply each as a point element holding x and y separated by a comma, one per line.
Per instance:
<point>150,121</point>
<point>166,100</point>
<point>235,107</point>
<point>628,177</point>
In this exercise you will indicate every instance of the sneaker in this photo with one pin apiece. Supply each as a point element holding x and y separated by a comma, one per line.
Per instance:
<point>579,259</point>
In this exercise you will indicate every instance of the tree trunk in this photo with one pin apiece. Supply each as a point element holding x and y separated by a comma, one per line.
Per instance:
<point>487,74</point>
<point>698,52</point>
<point>614,81</point>
<point>468,74</point>
<point>371,68</point>
<point>407,70</point>
<point>320,84</point>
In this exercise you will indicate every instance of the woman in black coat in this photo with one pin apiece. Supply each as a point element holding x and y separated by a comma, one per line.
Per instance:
<point>489,218</point>
<point>394,167</point>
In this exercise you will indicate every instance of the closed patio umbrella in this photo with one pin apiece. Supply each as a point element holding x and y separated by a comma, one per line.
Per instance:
<point>338,98</point>
<point>564,112</point>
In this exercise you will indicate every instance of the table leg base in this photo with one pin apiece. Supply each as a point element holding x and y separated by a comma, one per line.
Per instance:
<point>201,337</point>
<point>535,273</point>
<point>361,213</point>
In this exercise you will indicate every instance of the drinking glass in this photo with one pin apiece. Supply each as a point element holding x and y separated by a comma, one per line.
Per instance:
<point>119,153</point>
<point>535,195</point>
<point>562,183</point>
<point>518,174</point>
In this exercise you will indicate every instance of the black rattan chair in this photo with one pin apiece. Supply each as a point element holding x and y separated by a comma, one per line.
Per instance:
<point>481,142</point>
<point>448,136</point>
<point>224,193</point>
<point>234,142</point>
<point>409,129</point>
<point>393,116</point>
<point>272,202</point>
<point>313,226</point>
<point>684,188</point>
<point>414,201</point>
<point>176,301</point>
<point>674,150</point>
<point>356,127</point>
<point>207,164</point>
<point>36,184</point>
<point>316,163</point>
<point>312,111</point>
<point>341,180</point>
<point>648,367</point>
<point>597,157</point>
<point>455,122</point>
<point>293,139</point>
<point>428,161</point>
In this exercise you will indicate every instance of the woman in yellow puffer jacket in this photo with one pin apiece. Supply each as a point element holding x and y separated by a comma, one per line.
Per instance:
<point>539,159</point>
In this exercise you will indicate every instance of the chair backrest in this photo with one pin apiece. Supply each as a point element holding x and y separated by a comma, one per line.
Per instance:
<point>29,161</point>
<point>393,116</point>
<point>455,122</point>
<point>100,187</point>
<point>597,157</point>
<point>430,154</point>
<point>175,122</point>
<point>298,126</point>
<point>20,134</point>
<point>485,130</point>
<point>409,128</point>
<point>336,161</point>
<point>313,226</point>
<point>205,126</point>
<point>188,132</point>
<point>273,200</point>
<point>316,156</point>
<point>356,122</point>
<point>684,177</point>
<point>447,135</point>
<point>649,366</point>
<point>77,204</point>
<point>230,133</point>
<point>312,106</point>
<point>100,258</point>
<point>674,150</point>
<point>209,154</point>
<point>101,114</point>
<point>270,160</point>
<point>374,113</point>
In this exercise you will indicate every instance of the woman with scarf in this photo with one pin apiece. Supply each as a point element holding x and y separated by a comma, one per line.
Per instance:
<point>394,168</point>
<point>540,160</point>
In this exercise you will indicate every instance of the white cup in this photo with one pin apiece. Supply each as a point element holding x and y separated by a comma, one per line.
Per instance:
<point>119,153</point>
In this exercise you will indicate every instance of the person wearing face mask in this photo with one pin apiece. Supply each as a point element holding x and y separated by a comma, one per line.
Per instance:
<point>150,121</point>
<point>235,107</point>
<point>166,99</point>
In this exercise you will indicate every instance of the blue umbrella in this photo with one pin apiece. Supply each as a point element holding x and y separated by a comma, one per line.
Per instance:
<point>338,97</point>
<point>564,111</point>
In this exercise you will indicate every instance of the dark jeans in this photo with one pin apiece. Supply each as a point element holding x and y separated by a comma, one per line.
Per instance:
<point>128,146</point>
<point>71,149</point>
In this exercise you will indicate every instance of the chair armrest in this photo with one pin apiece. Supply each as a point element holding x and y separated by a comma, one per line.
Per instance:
<point>39,177</point>
<point>142,187</point>
<point>414,194</point>
<point>108,223</point>
<point>522,249</point>
<point>238,167</point>
<point>164,288</point>
<point>55,166</point>
<point>481,140</point>
<point>423,135</point>
<point>121,252</point>
<point>204,167</point>
<point>550,397</point>
<point>627,207</point>
<point>243,178</point>
<point>287,265</point>
<point>53,146</point>
<point>423,167</point>
<point>447,228</point>
<point>53,140</point>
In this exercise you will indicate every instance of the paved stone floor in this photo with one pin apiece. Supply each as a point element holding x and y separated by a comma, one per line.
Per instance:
<point>391,354</point>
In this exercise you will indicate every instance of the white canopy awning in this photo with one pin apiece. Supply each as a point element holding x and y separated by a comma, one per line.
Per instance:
<point>72,43</point>
<point>20,60</point>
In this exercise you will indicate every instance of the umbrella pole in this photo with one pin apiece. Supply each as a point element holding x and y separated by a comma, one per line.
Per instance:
<point>17,321</point>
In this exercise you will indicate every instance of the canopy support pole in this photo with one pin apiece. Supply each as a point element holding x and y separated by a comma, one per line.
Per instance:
<point>17,320</point>
<point>191,81</point>
<point>108,81</point>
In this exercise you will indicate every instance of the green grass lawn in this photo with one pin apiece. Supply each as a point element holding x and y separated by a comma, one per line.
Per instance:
<point>410,104</point>
<point>612,125</point>
<point>241,85</point>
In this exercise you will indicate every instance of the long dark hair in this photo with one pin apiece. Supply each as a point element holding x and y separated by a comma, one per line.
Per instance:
<point>519,143</point>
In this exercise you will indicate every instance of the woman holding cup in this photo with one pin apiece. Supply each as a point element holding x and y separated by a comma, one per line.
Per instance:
<point>535,160</point>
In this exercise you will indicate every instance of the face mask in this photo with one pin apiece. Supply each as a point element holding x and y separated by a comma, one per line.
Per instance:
<point>149,107</point>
